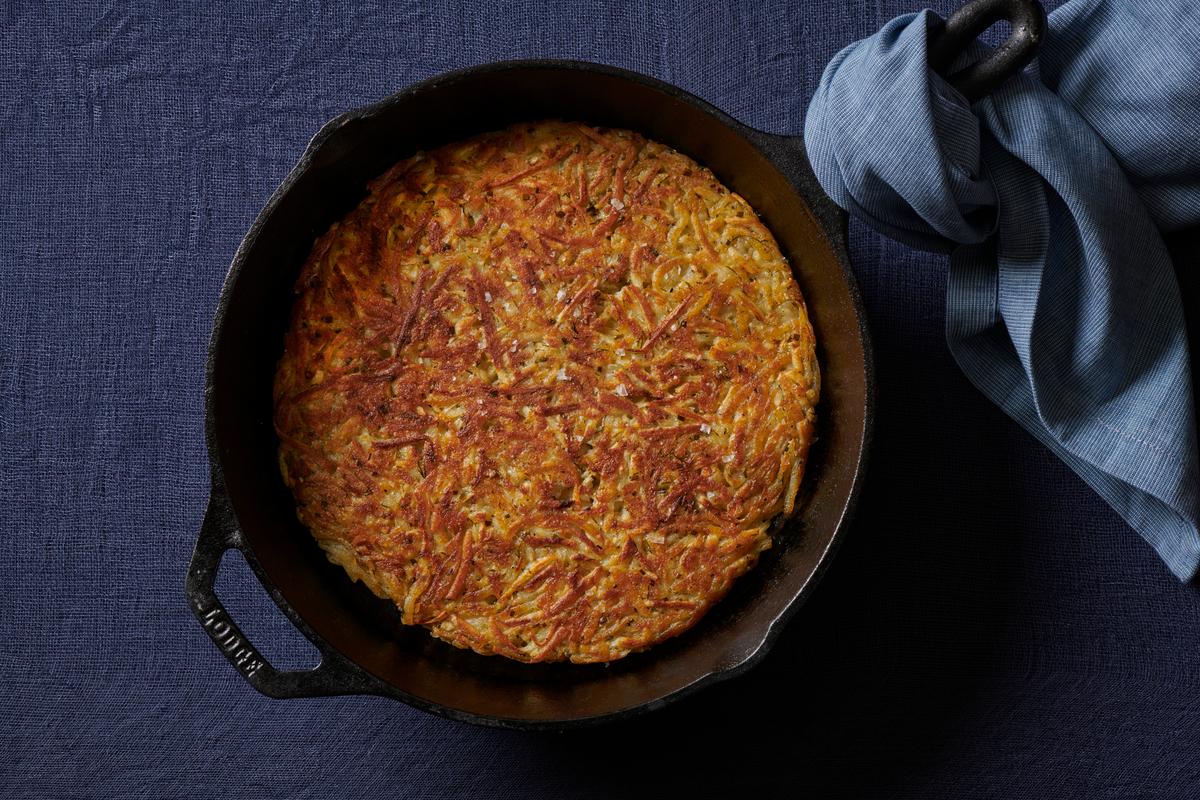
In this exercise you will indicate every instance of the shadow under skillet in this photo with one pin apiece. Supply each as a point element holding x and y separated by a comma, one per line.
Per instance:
<point>872,676</point>
<point>971,607</point>
<point>1185,252</point>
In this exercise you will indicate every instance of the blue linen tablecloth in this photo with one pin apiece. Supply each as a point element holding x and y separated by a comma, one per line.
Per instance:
<point>990,628</point>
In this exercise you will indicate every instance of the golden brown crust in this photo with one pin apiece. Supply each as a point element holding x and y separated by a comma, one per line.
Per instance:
<point>546,389</point>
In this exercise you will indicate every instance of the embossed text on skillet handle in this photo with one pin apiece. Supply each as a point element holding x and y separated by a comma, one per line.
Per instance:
<point>219,532</point>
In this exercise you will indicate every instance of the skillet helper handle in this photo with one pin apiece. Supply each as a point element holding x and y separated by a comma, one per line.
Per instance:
<point>218,533</point>
<point>1028,20</point>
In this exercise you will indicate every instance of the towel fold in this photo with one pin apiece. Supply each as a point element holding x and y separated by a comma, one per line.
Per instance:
<point>1062,304</point>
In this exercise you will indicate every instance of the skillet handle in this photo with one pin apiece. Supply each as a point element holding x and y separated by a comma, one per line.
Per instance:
<point>334,675</point>
<point>1028,19</point>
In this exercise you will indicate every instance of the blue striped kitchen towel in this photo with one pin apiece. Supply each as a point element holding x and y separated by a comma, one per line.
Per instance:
<point>1054,192</point>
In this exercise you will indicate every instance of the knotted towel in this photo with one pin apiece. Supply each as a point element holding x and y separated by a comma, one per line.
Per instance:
<point>1062,305</point>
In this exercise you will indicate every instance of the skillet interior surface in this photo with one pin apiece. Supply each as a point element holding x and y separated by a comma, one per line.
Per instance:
<point>770,172</point>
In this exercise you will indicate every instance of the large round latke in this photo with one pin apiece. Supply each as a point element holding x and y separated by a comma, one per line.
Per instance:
<point>546,389</point>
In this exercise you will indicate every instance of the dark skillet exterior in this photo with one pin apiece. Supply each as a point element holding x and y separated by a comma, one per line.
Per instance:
<point>364,648</point>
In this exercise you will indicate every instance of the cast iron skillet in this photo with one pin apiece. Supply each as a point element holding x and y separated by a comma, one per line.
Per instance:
<point>364,649</point>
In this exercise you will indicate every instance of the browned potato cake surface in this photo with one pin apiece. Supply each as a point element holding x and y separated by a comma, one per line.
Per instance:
<point>546,389</point>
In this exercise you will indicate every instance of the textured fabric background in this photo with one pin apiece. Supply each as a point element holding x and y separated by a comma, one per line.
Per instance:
<point>990,628</point>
